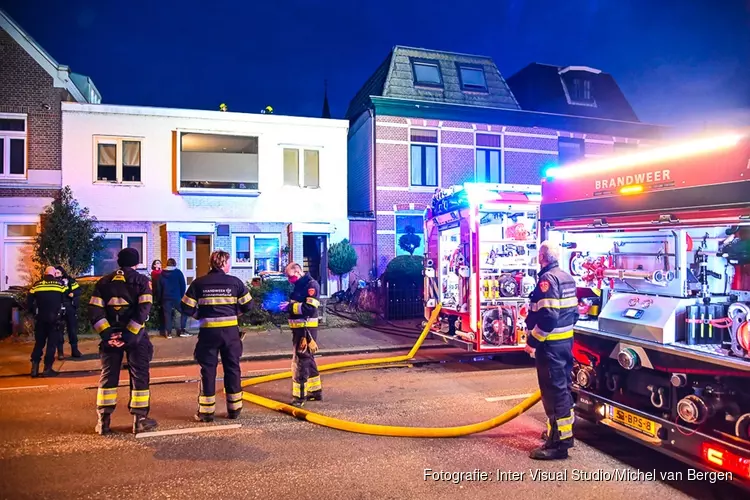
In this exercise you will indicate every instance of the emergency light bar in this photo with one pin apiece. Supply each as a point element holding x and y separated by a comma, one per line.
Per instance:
<point>671,152</point>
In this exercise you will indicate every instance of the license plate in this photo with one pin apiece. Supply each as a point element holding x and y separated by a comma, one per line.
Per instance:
<point>633,421</point>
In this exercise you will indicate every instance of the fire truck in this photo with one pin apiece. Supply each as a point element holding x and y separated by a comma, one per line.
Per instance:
<point>481,259</point>
<point>659,244</point>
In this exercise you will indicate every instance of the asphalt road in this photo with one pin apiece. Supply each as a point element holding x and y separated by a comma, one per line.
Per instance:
<point>48,448</point>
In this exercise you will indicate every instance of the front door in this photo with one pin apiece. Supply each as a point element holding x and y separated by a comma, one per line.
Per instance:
<point>17,264</point>
<point>188,252</point>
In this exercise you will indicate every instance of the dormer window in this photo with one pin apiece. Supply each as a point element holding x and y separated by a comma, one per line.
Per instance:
<point>427,73</point>
<point>471,77</point>
<point>577,82</point>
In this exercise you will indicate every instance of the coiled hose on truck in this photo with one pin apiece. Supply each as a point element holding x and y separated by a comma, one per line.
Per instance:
<point>375,429</point>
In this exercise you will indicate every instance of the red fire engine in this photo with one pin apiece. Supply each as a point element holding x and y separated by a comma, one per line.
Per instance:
<point>659,243</point>
<point>481,255</point>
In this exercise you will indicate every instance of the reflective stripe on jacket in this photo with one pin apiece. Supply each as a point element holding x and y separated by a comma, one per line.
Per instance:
<point>553,307</point>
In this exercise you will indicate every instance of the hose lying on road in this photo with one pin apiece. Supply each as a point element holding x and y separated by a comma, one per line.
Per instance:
<point>382,430</point>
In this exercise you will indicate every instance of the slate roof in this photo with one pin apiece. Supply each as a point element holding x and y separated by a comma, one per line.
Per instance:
<point>395,78</point>
<point>549,89</point>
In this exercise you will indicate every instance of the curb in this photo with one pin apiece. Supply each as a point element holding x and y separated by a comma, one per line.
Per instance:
<point>268,356</point>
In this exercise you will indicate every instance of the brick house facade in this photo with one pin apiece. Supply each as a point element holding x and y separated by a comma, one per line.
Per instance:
<point>33,87</point>
<point>409,137</point>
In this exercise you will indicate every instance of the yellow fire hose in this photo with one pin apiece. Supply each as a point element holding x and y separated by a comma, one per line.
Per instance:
<point>382,430</point>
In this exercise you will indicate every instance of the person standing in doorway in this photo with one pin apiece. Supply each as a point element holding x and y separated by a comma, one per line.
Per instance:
<point>171,288</point>
<point>71,301</point>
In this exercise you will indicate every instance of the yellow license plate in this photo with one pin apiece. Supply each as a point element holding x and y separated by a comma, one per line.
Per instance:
<point>632,421</point>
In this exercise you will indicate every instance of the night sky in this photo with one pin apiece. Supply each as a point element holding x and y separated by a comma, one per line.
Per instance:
<point>676,61</point>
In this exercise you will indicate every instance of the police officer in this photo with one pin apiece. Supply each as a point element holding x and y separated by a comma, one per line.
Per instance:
<point>553,311</point>
<point>303,320</point>
<point>71,301</point>
<point>118,309</point>
<point>217,300</point>
<point>45,302</point>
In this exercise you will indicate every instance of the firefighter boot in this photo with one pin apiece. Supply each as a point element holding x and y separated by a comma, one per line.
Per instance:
<point>102,426</point>
<point>35,369</point>
<point>233,414</point>
<point>204,417</point>
<point>315,396</point>
<point>298,402</point>
<point>142,423</point>
<point>49,372</point>
<point>75,352</point>
<point>546,452</point>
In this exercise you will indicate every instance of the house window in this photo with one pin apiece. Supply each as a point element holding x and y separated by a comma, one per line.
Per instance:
<point>624,148</point>
<point>472,77</point>
<point>118,160</point>
<point>309,175</point>
<point>409,233</point>
<point>488,162</point>
<point>424,158</point>
<point>570,150</point>
<point>20,230</point>
<point>427,73</point>
<point>218,161</point>
<point>12,146</point>
<point>581,90</point>
<point>261,252</point>
<point>105,261</point>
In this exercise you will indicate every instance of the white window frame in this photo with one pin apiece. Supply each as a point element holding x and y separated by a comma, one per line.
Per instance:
<point>6,237</point>
<point>225,192</point>
<point>252,236</point>
<point>301,165</point>
<point>419,187</point>
<point>6,136</point>
<point>491,148</point>
<point>124,238</point>
<point>117,141</point>
<point>407,213</point>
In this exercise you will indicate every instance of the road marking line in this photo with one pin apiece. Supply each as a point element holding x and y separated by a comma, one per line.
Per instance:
<point>164,378</point>
<point>507,398</point>
<point>23,387</point>
<point>189,430</point>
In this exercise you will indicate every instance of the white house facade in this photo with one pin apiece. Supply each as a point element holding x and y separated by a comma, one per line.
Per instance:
<point>177,183</point>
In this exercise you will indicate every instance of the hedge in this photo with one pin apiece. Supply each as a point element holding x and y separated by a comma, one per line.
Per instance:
<point>265,307</point>
<point>404,270</point>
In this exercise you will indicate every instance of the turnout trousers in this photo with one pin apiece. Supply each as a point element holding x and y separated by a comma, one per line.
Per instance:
<point>213,342</point>
<point>45,333</point>
<point>554,369</point>
<point>305,377</point>
<point>139,357</point>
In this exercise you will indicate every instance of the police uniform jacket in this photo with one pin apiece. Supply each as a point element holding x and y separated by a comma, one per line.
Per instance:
<point>120,303</point>
<point>45,299</point>
<point>73,287</point>
<point>217,300</point>
<point>304,303</point>
<point>553,307</point>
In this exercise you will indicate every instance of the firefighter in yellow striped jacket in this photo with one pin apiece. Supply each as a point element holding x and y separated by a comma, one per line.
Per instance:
<point>553,312</point>
<point>303,320</point>
<point>118,309</point>
<point>217,300</point>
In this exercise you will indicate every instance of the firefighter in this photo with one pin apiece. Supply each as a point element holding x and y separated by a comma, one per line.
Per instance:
<point>45,302</point>
<point>217,300</point>
<point>303,320</point>
<point>553,311</point>
<point>71,302</point>
<point>119,309</point>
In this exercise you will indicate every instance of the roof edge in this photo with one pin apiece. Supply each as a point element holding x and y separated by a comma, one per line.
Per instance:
<point>448,52</point>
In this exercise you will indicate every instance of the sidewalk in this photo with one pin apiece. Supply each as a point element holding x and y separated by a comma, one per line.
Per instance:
<point>258,345</point>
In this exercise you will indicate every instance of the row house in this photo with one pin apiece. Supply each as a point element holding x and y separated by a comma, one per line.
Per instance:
<point>179,183</point>
<point>427,119</point>
<point>33,86</point>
